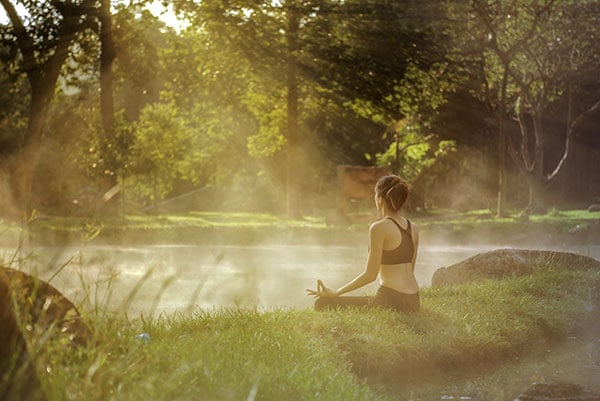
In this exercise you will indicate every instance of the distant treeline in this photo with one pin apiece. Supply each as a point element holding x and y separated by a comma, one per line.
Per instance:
<point>481,104</point>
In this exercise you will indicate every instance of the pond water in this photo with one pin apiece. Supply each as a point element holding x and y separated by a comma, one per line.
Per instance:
<point>152,279</point>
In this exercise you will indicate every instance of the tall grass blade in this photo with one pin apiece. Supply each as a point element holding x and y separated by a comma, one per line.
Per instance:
<point>130,297</point>
<point>163,286</point>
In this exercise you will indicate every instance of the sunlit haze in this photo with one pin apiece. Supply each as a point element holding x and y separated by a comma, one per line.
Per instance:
<point>167,15</point>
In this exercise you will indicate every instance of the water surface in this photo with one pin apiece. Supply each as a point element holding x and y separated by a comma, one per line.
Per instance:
<point>152,279</point>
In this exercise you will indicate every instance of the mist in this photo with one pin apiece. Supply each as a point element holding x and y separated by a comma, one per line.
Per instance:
<point>153,279</point>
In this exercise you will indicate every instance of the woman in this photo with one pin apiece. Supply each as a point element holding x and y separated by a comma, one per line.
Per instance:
<point>393,243</point>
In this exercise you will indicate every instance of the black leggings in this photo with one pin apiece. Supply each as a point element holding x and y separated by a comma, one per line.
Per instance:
<point>385,297</point>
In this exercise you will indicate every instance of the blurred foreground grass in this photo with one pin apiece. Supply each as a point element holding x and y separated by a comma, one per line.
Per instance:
<point>248,354</point>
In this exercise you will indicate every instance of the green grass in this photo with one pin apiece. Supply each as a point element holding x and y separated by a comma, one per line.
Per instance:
<point>192,219</point>
<point>243,219</point>
<point>233,354</point>
<point>556,227</point>
<point>229,227</point>
<point>213,219</point>
<point>483,216</point>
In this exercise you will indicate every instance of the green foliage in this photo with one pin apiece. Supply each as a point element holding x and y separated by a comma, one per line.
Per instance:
<point>13,107</point>
<point>272,121</point>
<point>161,151</point>
<point>422,91</point>
<point>212,90</point>
<point>242,103</point>
<point>36,42</point>
<point>140,73</point>
<point>361,50</point>
<point>412,155</point>
<point>361,67</point>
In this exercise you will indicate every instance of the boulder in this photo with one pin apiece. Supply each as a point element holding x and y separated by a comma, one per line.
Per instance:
<point>39,307</point>
<point>18,378</point>
<point>556,392</point>
<point>30,310</point>
<point>504,263</point>
<point>594,207</point>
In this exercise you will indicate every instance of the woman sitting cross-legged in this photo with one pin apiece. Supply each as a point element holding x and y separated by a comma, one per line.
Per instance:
<point>393,243</point>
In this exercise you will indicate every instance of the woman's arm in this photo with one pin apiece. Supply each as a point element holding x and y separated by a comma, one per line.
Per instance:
<point>415,238</point>
<point>376,237</point>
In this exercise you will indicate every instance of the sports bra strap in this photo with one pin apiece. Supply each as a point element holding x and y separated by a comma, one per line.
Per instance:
<point>404,253</point>
<point>408,228</point>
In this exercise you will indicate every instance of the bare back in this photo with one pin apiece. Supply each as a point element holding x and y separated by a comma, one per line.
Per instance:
<point>399,276</point>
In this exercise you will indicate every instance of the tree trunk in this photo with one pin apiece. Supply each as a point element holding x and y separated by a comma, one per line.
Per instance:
<point>26,162</point>
<point>107,108</point>
<point>538,180</point>
<point>502,146</point>
<point>42,77</point>
<point>502,174</point>
<point>537,197</point>
<point>107,57</point>
<point>292,150</point>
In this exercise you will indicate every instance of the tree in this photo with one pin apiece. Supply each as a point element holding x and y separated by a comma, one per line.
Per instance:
<point>13,106</point>
<point>222,102</point>
<point>564,50</point>
<point>275,28</point>
<point>362,49</point>
<point>44,36</point>
<point>341,54</point>
<point>526,55</point>
<point>107,107</point>
<point>293,162</point>
<point>479,26</point>
<point>160,151</point>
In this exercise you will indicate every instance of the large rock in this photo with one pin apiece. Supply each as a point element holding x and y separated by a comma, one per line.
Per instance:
<point>39,307</point>
<point>505,263</point>
<point>31,310</point>
<point>18,378</point>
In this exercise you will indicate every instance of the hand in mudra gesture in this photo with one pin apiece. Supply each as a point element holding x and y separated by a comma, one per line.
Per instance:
<point>322,291</point>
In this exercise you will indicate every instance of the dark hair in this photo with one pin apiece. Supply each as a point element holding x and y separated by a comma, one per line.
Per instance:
<point>394,191</point>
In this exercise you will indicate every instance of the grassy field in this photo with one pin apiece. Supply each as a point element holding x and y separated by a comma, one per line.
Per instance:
<point>247,354</point>
<point>246,228</point>
<point>468,339</point>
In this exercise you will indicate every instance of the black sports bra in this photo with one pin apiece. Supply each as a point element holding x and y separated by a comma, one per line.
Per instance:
<point>404,252</point>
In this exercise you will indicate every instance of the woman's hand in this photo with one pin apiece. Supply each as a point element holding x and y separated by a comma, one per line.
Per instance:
<point>322,291</point>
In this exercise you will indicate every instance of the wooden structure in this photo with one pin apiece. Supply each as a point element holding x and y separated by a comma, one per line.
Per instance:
<point>355,183</point>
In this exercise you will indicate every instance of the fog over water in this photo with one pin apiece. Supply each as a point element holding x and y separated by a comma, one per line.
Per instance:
<point>151,279</point>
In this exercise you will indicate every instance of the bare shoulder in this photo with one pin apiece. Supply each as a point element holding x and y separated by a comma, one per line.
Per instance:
<point>378,227</point>
<point>377,234</point>
<point>378,224</point>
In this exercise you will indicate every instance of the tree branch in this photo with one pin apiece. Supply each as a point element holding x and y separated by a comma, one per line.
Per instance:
<point>522,43</point>
<point>24,41</point>
<point>581,118</point>
<point>519,162</point>
<point>528,164</point>
<point>409,145</point>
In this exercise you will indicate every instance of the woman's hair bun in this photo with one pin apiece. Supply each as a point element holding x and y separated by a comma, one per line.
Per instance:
<point>394,191</point>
